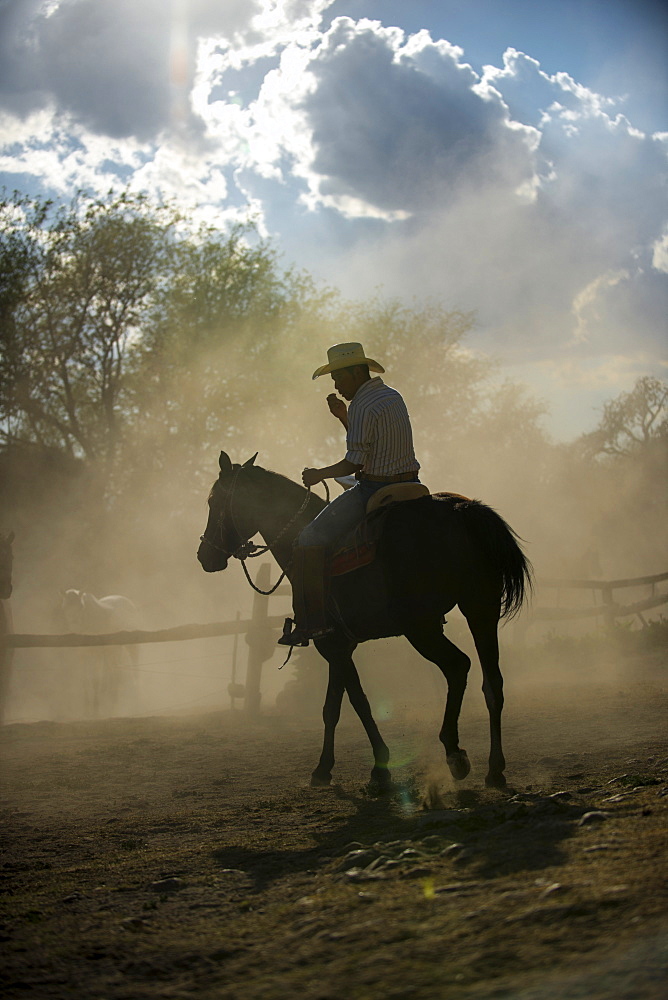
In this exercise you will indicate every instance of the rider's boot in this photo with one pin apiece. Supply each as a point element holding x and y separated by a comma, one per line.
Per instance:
<point>308,597</point>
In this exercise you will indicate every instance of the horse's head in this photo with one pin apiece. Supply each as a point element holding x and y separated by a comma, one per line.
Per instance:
<point>6,560</point>
<point>72,608</point>
<point>231,520</point>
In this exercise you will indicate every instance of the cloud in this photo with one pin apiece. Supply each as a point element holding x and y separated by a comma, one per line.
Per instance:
<point>585,303</point>
<point>376,158</point>
<point>395,124</point>
<point>122,68</point>
<point>660,253</point>
<point>524,196</point>
<point>578,388</point>
<point>529,93</point>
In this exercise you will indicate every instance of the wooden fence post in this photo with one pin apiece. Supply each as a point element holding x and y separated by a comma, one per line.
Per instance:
<point>6,655</point>
<point>261,643</point>
<point>234,689</point>
<point>609,612</point>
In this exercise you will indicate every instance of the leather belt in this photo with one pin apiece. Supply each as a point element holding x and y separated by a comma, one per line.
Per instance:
<point>402,477</point>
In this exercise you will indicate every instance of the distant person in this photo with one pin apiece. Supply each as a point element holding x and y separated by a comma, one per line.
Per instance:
<point>379,443</point>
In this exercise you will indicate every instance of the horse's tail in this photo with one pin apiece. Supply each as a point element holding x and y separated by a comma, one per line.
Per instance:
<point>501,548</point>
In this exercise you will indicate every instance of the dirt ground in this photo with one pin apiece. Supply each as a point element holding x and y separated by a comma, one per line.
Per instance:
<point>184,857</point>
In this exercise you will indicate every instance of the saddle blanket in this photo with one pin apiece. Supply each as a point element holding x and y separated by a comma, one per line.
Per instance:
<point>345,560</point>
<point>359,546</point>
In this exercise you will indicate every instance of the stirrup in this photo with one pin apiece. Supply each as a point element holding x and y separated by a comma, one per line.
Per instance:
<point>293,636</point>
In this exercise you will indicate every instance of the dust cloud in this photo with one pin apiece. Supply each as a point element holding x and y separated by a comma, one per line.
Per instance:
<point>577,522</point>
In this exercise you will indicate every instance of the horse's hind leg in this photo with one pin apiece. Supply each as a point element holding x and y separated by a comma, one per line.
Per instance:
<point>485,635</point>
<point>430,642</point>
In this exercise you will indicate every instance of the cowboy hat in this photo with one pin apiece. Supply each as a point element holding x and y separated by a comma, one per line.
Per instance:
<point>346,356</point>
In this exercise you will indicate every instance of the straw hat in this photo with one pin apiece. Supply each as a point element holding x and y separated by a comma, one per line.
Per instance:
<point>346,356</point>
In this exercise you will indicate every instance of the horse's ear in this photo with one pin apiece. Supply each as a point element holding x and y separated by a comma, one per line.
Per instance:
<point>251,461</point>
<point>224,462</point>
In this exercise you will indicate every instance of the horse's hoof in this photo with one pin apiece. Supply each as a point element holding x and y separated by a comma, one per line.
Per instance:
<point>321,779</point>
<point>380,782</point>
<point>459,764</point>
<point>496,781</point>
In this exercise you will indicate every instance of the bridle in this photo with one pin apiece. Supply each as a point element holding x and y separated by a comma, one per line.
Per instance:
<point>220,523</point>
<point>247,549</point>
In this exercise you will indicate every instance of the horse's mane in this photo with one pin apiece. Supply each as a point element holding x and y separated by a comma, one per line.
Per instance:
<point>280,484</point>
<point>274,475</point>
<point>255,470</point>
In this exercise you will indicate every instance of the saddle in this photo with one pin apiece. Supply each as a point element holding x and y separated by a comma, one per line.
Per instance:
<point>395,493</point>
<point>359,547</point>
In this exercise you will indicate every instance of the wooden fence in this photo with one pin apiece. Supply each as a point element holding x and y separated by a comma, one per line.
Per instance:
<point>260,628</point>
<point>608,608</point>
<point>260,631</point>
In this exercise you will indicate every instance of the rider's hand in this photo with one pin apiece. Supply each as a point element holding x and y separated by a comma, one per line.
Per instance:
<point>336,406</point>
<point>310,477</point>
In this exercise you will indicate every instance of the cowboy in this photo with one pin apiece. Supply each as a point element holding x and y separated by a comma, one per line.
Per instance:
<point>379,443</point>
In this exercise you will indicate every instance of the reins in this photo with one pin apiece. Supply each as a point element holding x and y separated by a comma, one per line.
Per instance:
<point>248,550</point>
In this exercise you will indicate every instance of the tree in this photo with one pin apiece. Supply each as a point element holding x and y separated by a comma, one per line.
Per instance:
<point>81,283</point>
<point>612,482</point>
<point>422,350</point>
<point>633,422</point>
<point>141,345</point>
<point>131,340</point>
<point>218,351</point>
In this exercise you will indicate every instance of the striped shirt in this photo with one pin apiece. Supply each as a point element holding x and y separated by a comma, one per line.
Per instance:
<point>379,434</point>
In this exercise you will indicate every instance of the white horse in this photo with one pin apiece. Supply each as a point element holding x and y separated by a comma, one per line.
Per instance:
<point>105,667</point>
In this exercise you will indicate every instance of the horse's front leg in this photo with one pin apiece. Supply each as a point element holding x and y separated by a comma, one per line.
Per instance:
<point>381,780</point>
<point>343,676</point>
<point>331,713</point>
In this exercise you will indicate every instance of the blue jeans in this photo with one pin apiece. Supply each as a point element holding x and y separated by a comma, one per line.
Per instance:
<point>340,516</point>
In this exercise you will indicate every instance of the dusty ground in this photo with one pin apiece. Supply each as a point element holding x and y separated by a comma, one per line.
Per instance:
<point>187,857</point>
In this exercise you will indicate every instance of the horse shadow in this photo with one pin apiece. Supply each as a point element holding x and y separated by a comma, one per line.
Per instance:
<point>477,835</point>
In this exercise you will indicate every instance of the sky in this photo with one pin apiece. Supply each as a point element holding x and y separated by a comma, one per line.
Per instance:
<point>504,157</point>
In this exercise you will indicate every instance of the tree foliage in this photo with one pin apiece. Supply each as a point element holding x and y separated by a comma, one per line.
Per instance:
<point>633,422</point>
<point>205,362</point>
<point>135,345</point>
<point>123,327</point>
<point>140,344</point>
<point>81,284</point>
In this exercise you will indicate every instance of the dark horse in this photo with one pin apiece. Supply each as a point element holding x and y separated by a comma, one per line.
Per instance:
<point>434,553</point>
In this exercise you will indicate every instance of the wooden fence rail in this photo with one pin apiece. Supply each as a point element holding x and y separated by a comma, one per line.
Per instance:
<point>260,627</point>
<point>609,609</point>
<point>176,634</point>
<point>637,581</point>
<point>259,630</point>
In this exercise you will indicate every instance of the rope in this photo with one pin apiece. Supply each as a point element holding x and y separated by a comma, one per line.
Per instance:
<point>257,590</point>
<point>248,550</point>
